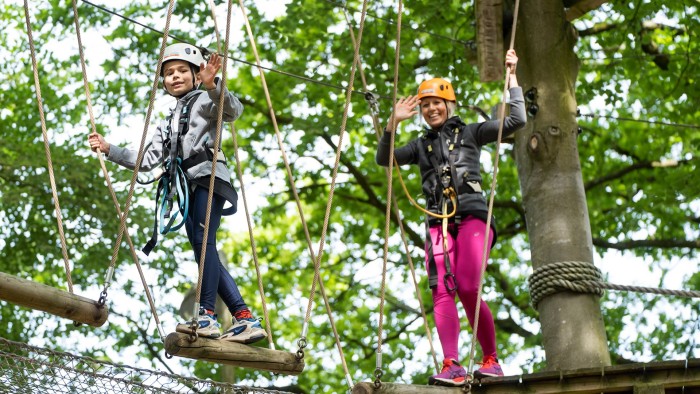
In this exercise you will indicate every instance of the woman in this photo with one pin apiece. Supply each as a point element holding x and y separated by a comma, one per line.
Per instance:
<point>448,157</point>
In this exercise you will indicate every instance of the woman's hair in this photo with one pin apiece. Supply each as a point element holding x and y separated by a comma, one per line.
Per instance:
<point>451,107</point>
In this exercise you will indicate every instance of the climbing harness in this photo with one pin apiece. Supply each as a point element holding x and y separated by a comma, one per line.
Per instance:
<point>173,186</point>
<point>446,175</point>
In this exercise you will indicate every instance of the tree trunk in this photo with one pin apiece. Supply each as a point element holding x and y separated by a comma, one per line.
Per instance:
<point>552,186</point>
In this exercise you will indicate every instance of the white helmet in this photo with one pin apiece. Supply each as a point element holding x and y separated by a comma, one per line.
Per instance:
<point>186,52</point>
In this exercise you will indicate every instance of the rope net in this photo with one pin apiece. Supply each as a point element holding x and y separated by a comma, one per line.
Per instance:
<point>29,369</point>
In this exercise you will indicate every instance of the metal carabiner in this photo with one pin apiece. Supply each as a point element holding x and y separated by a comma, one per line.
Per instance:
<point>446,280</point>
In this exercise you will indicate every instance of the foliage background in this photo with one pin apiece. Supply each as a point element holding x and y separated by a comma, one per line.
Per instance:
<point>630,68</point>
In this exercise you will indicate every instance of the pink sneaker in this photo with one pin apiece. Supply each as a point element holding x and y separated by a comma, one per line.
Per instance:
<point>452,374</point>
<point>489,367</point>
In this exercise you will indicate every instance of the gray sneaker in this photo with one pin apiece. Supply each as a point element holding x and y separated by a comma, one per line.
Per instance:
<point>244,330</point>
<point>208,326</point>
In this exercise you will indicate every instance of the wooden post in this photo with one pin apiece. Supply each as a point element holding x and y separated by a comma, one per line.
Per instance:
<point>551,182</point>
<point>232,353</point>
<point>579,8</point>
<point>57,302</point>
<point>489,39</point>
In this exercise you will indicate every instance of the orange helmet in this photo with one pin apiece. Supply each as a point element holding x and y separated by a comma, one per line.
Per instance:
<point>437,87</point>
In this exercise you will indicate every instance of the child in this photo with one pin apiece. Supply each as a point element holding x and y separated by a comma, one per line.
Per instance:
<point>188,134</point>
<point>448,156</point>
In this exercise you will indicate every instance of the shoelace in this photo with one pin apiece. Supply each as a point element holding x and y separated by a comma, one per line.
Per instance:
<point>489,362</point>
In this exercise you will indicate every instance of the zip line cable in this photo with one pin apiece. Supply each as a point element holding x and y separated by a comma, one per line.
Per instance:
<point>342,88</point>
<point>469,44</point>
<point>285,73</point>
<point>652,122</point>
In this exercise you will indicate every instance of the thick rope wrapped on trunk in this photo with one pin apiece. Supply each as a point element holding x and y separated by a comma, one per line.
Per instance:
<point>583,277</point>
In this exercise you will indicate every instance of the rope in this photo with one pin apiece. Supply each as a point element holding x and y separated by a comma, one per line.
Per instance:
<point>583,277</point>
<point>397,212</point>
<point>139,158</point>
<point>492,195</point>
<point>378,371</point>
<point>212,177</point>
<point>317,260</point>
<point>326,218</point>
<point>47,150</point>
<point>239,172</point>
<point>98,153</point>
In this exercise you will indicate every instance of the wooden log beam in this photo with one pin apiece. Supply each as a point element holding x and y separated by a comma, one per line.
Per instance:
<point>580,8</point>
<point>489,39</point>
<point>396,388</point>
<point>57,302</point>
<point>231,353</point>
<point>643,378</point>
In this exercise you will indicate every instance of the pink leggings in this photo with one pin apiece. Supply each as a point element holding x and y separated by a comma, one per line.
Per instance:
<point>465,263</point>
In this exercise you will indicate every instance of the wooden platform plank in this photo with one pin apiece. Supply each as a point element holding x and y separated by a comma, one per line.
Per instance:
<point>663,375</point>
<point>397,388</point>
<point>51,300</point>
<point>232,353</point>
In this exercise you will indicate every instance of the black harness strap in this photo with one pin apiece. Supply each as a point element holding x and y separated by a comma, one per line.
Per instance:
<point>446,175</point>
<point>169,180</point>
<point>201,157</point>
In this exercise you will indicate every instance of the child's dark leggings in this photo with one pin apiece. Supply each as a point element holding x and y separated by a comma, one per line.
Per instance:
<point>466,253</point>
<point>215,277</point>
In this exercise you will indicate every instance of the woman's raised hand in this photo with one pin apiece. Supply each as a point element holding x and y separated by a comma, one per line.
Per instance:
<point>405,108</point>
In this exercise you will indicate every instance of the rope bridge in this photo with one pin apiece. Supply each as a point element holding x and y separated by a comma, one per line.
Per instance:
<point>29,369</point>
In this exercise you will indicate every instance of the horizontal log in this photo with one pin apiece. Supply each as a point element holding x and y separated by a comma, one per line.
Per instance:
<point>51,300</point>
<point>662,375</point>
<point>396,388</point>
<point>232,353</point>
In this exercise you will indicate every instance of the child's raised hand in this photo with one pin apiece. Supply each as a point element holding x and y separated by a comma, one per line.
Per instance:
<point>208,72</point>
